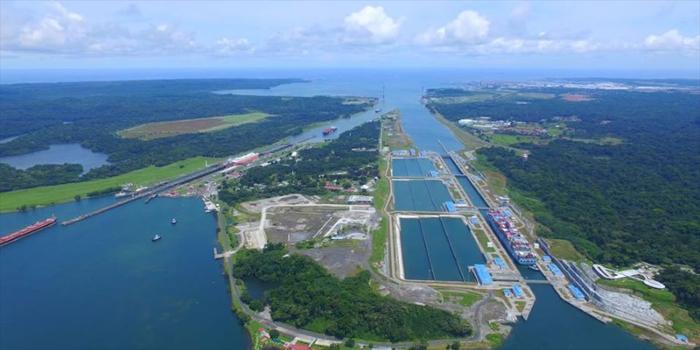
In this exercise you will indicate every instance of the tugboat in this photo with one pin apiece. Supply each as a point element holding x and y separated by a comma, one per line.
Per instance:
<point>173,221</point>
<point>155,238</point>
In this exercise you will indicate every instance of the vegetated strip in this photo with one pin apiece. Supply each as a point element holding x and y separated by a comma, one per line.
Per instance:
<point>38,196</point>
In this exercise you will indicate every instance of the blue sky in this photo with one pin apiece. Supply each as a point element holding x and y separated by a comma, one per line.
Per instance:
<point>643,35</point>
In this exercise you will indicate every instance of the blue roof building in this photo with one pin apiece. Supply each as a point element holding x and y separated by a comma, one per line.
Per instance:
<point>482,274</point>
<point>576,292</point>
<point>450,206</point>
<point>499,262</point>
<point>682,338</point>
<point>518,291</point>
<point>555,269</point>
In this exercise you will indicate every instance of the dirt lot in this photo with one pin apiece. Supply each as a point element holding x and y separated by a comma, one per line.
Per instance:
<point>342,258</point>
<point>295,224</point>
<point>291,199</point>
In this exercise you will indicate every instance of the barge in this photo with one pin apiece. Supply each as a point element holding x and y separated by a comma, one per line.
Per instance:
<point>329,131</point>
<point>37,226</point>
<point>515,243</point>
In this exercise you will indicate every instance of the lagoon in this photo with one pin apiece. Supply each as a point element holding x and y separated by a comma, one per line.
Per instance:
<point>71,153</point>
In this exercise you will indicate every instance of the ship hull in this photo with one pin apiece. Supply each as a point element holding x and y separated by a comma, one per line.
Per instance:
<point>17,235</point>
<point>506,244</point>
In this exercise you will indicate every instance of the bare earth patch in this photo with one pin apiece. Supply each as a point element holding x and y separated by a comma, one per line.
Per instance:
<point>150,131</point>
<point>576,98</point>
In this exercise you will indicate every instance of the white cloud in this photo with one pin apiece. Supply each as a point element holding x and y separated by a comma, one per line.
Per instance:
<point>470,33</point>
<point>672,40</point>
<point>229,46</point>
<point>59,28</point>
<point>62,31</point>
<point>371,25</point>
<point>468,28</point>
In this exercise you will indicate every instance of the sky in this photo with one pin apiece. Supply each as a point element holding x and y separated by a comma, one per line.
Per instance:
<point>643,35</point>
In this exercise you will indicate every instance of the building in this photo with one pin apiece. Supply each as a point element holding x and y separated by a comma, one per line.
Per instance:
<point>357,199</point>
<point>482,274</point>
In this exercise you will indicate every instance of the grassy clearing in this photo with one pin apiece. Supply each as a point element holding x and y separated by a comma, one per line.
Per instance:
<point>381,194</point>
<point>495,339</point>
<point>465,298</point>
<point>469,141</point>
<point>564,249</point>
<point>603,141</point>
<point>150,131</point>
<point>535,95</point>
<point>46,195</point>
<point>483,240</point>
<point>509,140</point>
<point>662,301</point>
<point>520,305</point>
<point>398,138</point>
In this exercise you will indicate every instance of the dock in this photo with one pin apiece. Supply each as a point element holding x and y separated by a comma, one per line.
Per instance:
<point>149,194</point>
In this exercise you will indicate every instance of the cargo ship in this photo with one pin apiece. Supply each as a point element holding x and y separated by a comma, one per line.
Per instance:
<point>39,225</point>
<point>515,243</point>
<point>329,131</point>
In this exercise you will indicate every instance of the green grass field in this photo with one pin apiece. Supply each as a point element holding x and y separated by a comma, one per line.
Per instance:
<point>564,249</point>
<point>150,131</point>
<point>46,195</point>
<point>379,235</point>
<point>483,240</point>
<point>466,299</point>
<point>508,140</point>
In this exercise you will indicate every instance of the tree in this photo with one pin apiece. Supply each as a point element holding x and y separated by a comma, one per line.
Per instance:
<point>274,334</point>
<point>350,343</point>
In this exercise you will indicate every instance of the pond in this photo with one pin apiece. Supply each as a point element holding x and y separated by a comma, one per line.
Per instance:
<point>71,153</point>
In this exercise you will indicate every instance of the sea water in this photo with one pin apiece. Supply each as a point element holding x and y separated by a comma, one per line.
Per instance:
<point>103,284</point>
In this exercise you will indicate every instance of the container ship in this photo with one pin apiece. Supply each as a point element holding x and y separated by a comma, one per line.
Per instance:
<point>329,131</point>
<point>515,243</point>
<point>39,225</point>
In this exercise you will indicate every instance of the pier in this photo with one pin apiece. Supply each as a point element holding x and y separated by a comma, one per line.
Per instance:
<point>149,194</point>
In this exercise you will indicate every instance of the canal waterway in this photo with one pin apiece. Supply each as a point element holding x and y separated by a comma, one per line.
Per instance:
<point>420,195</point>
<point>71,153</point>
<point>438,248</point>
<point>412,167</point>
<point>102,283</point>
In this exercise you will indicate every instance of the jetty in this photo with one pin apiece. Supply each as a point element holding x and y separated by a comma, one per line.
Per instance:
<point>149,194</point>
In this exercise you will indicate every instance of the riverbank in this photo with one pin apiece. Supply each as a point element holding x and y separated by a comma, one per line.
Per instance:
<point>49,195</point>
<point>494,184</point>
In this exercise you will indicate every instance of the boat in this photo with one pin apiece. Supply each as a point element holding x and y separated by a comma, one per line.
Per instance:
<point>329,131</point>
<point>515,243</point>
<point>155,238</point>
<point>173,221</point>
<point>534,267</point>
<point>37,226</point>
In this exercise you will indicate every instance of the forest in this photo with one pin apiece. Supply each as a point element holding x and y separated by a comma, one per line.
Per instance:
<point>350,157</point>
<point>305,295</point>
<point>92,113</point>
<point>619,204</point>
